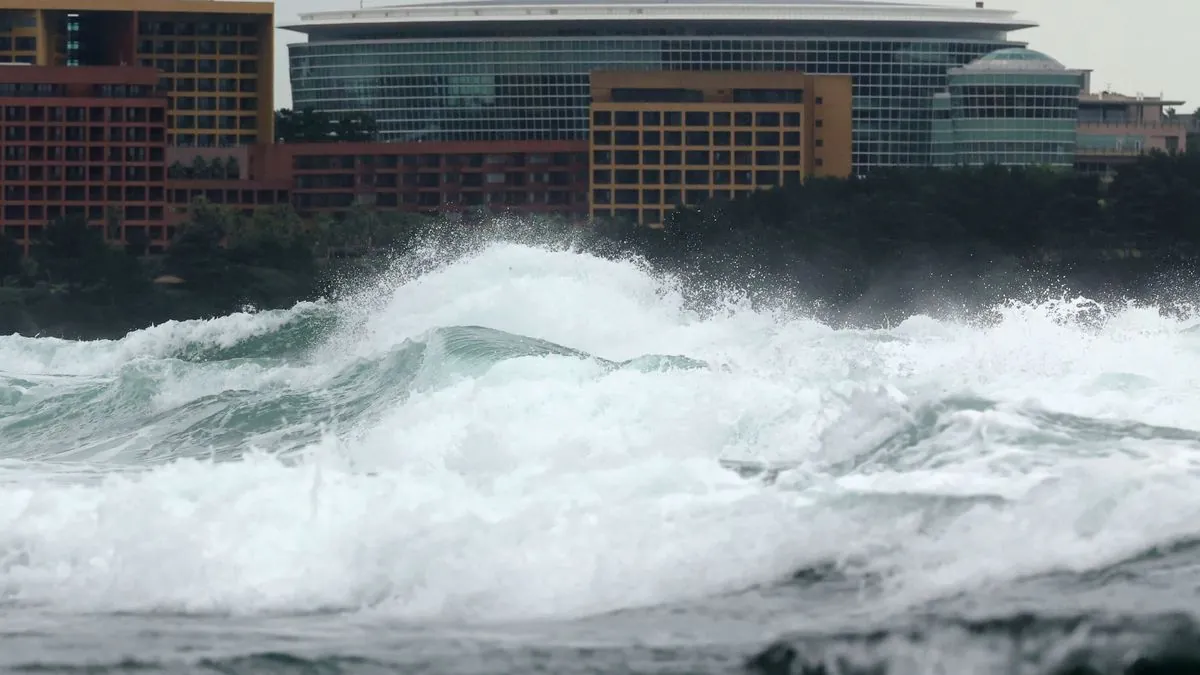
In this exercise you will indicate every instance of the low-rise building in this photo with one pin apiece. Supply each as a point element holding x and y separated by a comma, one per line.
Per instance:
<point>1115,129</point>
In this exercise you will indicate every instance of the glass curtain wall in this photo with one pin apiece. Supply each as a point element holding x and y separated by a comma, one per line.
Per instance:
<point>537,88</point>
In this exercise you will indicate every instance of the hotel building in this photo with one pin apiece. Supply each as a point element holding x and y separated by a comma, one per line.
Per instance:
<point>119,110</point>
<point>82,141</point>
<point>661,140</point>
<point>470,70</point>
<point>215,57</point>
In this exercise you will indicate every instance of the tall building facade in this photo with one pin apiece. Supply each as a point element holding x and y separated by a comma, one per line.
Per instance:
<point>88,142</point>
<point>1013,107</point>
<point>664,140</point>
<point>498,69</point>
<point>215,57</point>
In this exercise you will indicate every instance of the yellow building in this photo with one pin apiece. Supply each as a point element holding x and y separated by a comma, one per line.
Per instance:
<point>216,57</point>
<point>669,138</point>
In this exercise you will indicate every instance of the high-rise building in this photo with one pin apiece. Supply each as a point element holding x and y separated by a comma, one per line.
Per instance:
<point>215,57</point>
<point>666,139</point>
<point>465,70</point>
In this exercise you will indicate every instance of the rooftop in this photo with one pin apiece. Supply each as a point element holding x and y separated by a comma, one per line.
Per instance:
<point>163,6</point>
<point>1110,97</point>
<point>1015,59</point>
<point>409,12</point>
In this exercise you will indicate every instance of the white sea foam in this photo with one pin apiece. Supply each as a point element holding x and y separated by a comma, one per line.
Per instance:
<point>550,486</point>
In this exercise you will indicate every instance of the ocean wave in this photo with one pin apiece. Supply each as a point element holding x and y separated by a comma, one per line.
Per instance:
<point>532,434</point>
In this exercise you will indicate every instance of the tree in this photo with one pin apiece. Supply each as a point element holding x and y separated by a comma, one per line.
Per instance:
<point>357,126</point>
<point>274,236</point>
<point>112,223</point>
<point>137,242</point>
<point>302,126</point>
<point>70,251</point>
<point>200,169</point>
<point>323,233</point>
<point>206,227</point>
<point>10,258</point>
<point>311,126</point>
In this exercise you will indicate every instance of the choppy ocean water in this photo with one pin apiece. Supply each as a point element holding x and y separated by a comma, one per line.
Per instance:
<point>532,460</point>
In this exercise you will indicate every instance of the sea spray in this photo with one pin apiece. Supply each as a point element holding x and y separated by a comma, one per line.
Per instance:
<point>529,433</point>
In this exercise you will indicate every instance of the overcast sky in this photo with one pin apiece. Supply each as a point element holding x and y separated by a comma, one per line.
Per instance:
<point>1131,45</point>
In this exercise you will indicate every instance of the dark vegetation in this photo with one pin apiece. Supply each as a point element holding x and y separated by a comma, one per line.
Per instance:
<point>872,249</point>
<point>311,126</point>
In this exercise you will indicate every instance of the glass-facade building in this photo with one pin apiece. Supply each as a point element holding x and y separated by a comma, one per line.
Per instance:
<point>458,79</point>
<point>1014,107</point>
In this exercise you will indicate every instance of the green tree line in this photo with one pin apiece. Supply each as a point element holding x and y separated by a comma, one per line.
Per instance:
<point>836,237</point>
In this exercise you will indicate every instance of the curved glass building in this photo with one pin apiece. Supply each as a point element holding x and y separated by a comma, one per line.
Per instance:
<point>1013,107</point>
<point>518,69</point>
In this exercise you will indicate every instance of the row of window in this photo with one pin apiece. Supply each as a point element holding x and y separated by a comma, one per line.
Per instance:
<point>46,90</point>
<point>74,153</point>
<point>239,197</point>
<point>433,161</point>
<point>18,44</point>
<point>654,196</point>
<point>983,111</point>
<point>226,85</point>
<point>695,158</point>
<point>555,200</point>
<point>94,193</point>
<point>79,114</point>
<point>211,140</point>
<point>244,104</point>
<point>200,47</point>
<point>186,66</point>
<point>225,122</point>
<point>113,134</point>
<point>695,118</point>
<point>647,177</point>
<point>1006,159</point>
<point>152,27</point>
<point>134,212</point>
<point>95,174</point>
<point>678,138</point>
<point>433,180</point>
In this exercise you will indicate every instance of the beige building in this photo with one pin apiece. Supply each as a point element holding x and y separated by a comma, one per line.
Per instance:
<point>668,138</point>
<point>215,56</point>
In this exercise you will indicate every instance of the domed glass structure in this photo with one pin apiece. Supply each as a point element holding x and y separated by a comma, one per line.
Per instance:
<point>1011,107</point>
<point>1016,59</point>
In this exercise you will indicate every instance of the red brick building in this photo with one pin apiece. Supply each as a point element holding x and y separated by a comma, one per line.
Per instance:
<point>93,141</point>
<point>84,141</point>
<point>522,176</point>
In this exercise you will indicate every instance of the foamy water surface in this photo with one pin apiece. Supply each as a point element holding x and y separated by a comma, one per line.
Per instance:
<point>526,446</point>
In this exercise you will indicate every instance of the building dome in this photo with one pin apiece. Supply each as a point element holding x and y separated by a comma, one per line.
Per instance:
<point>1017,59</point>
